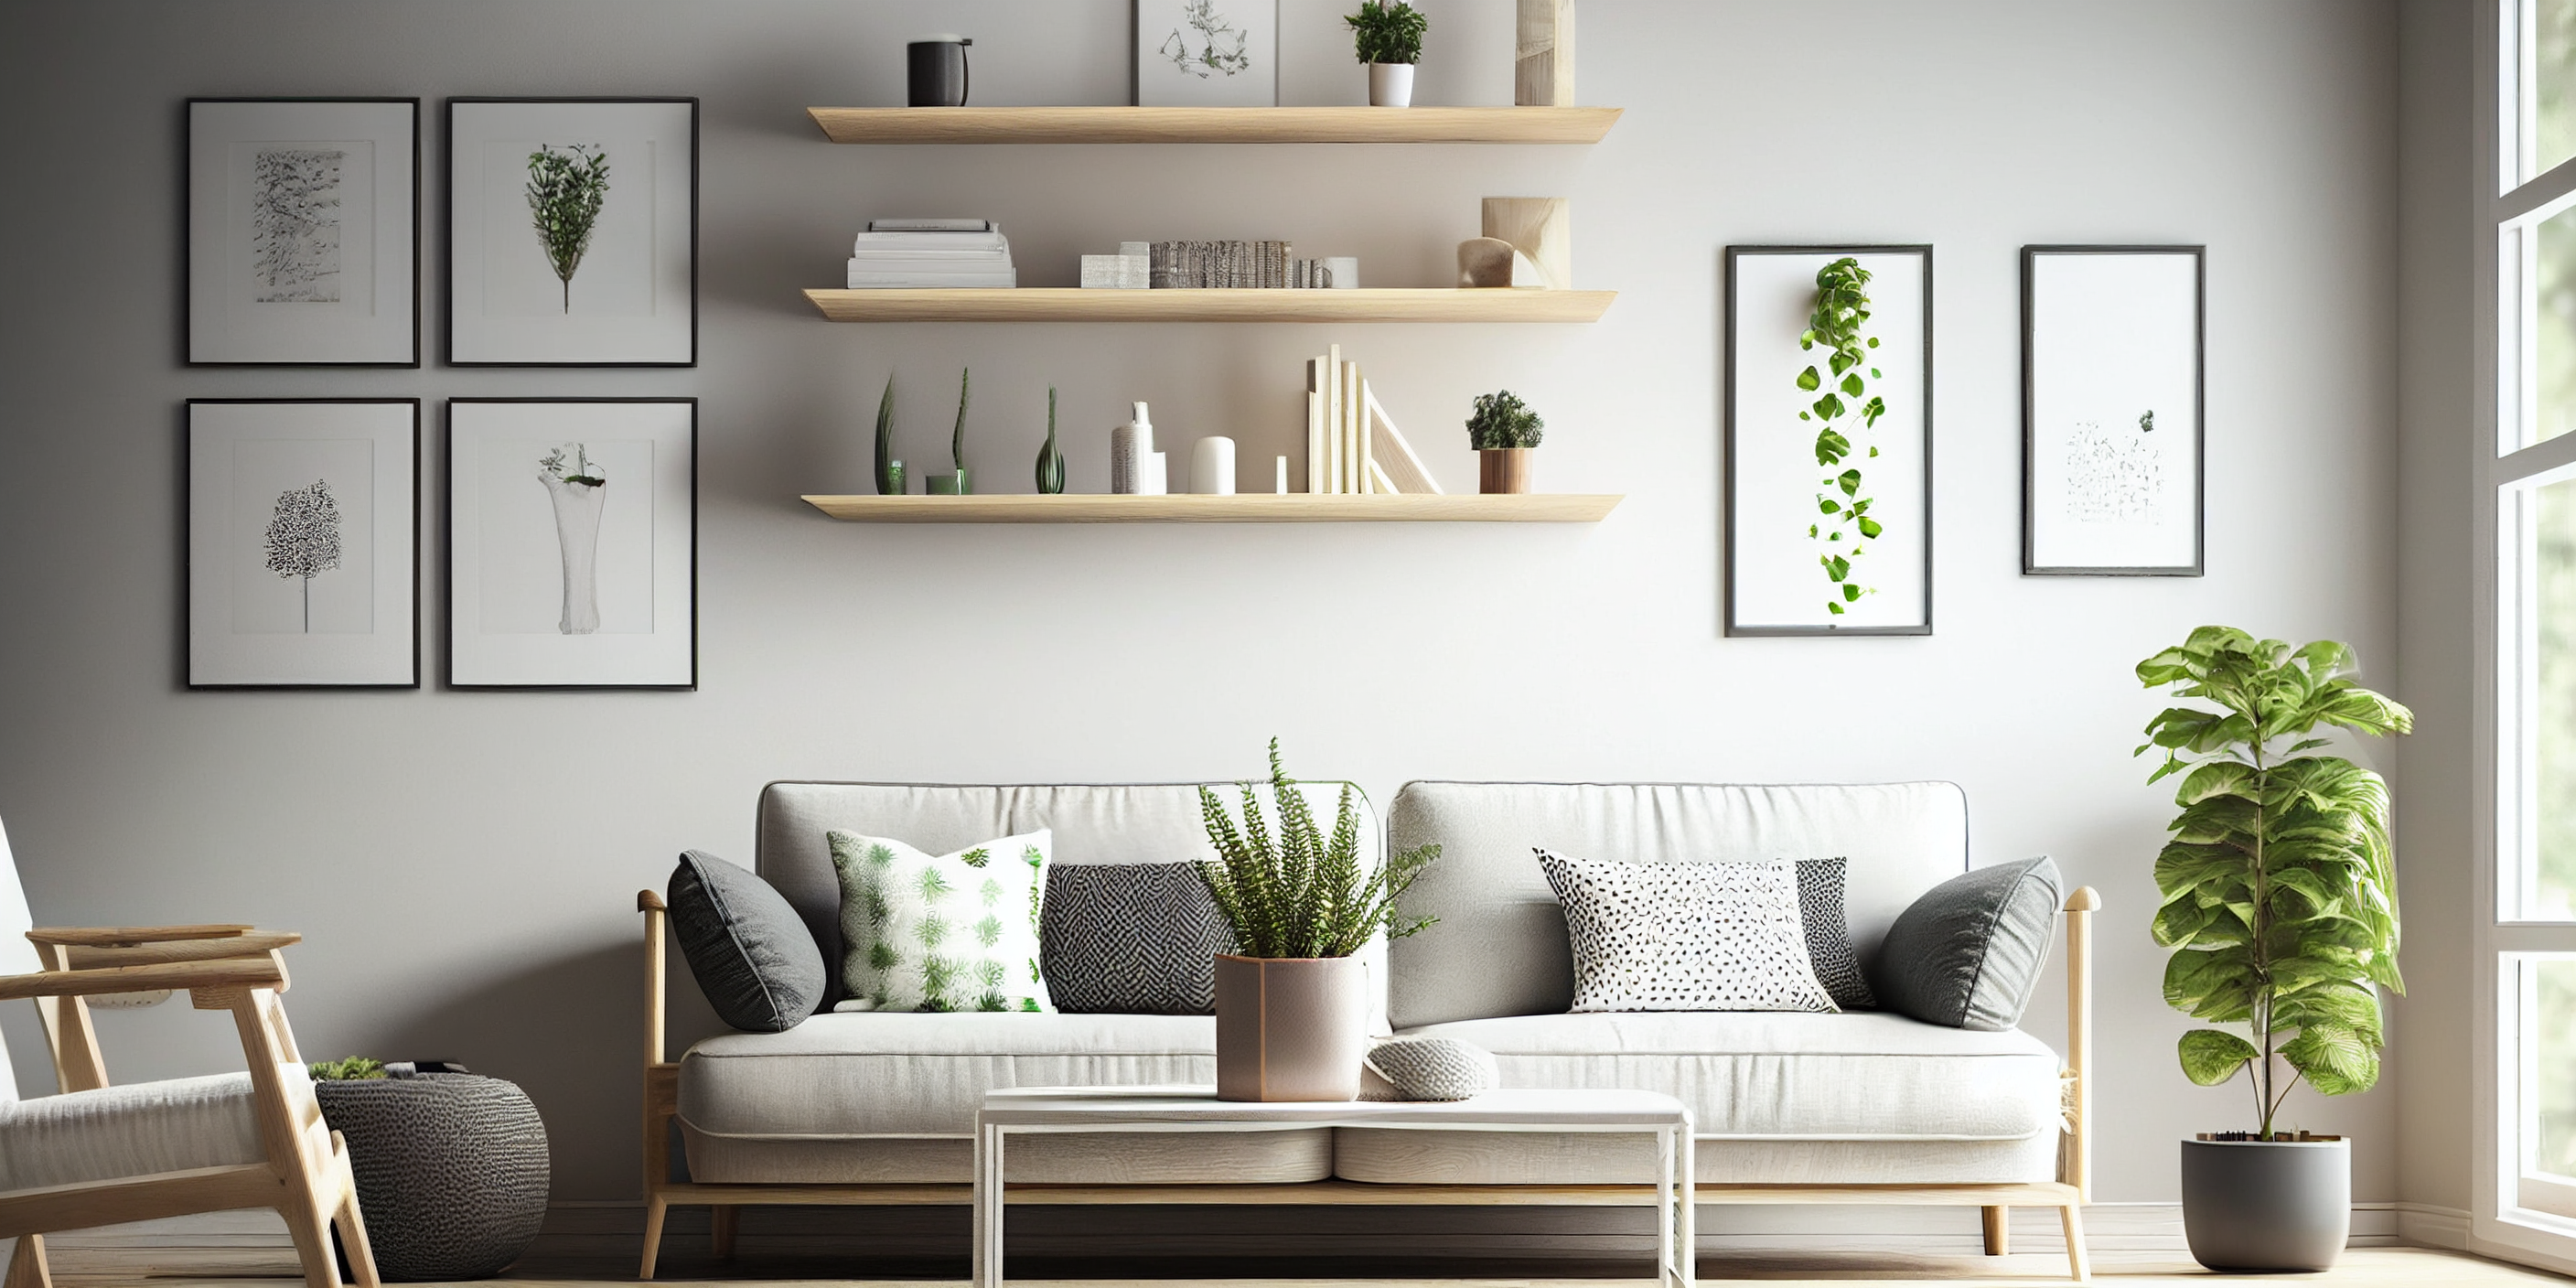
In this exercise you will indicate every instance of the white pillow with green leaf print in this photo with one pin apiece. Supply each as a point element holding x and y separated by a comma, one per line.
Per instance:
<point>947,932</point>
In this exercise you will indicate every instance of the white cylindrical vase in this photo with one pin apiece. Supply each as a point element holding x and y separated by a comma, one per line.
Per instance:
<point>1212,467</point>
<point>1158,479</point>
<point>1131,456</point>
<point>1390,84</point>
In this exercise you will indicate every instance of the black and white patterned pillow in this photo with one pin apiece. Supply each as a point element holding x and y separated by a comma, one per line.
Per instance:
<point>1685,936</point>
<point>1130,939</point>
<point>1820,909</point>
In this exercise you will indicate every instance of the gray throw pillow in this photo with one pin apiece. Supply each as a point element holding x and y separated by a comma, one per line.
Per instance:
<point>1130,939</point>
<point>751,953</point>
<point>1829,949</point>
<point>1967,954</point>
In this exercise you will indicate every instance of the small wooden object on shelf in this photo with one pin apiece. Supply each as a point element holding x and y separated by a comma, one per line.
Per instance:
<point>1249,507</point>
<point>1543,71</point>
<point>1054,304</point>
<point>1561,124</point>
<point>1504,471</point>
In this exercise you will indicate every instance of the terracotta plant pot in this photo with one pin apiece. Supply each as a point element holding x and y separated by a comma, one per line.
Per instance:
<point>2266,1204</point>
<point>1503,469</point>
<point>1291,1028</point>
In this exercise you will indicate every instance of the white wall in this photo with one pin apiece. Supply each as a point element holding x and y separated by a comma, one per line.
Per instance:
<point>463,864</point>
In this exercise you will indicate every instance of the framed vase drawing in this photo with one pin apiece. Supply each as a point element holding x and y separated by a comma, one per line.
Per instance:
<point>572,543</point>
<point>1207,53</point>
<point>1828,440</point>
<point>572,232</point>
<point>303,549</point>
<point>303,232</point>
<point>2112,348</point>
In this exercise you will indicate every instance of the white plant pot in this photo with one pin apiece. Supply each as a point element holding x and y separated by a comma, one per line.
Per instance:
<point>1390,84</point>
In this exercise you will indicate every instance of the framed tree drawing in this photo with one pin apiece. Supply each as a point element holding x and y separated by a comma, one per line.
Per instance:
<point>572,543</point>
<point>303,564</point>
<point>1207,53</point>
<point>303,232</point>
<point>1828,440</point>
<point>2111,344</point>
<point>572,232</point>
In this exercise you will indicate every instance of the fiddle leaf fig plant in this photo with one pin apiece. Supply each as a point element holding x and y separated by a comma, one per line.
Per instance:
<point>2279,885</point>
<point>1303,895</point>
<point>1845,529</point>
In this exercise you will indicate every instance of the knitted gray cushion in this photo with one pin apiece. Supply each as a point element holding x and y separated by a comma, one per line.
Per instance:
<point>1130,939</point>
<point>1967,954</point>
<point>1430,1069</point>
<point>751,953</point>
<point>452,1169</point>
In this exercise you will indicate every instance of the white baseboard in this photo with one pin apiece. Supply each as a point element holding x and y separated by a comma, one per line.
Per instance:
<point>2426,1225</point>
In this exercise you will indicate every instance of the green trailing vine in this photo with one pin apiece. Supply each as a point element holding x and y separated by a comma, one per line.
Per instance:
<point>1845,530</point>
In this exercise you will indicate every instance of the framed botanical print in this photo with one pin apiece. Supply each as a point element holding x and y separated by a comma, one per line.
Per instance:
<point>572,543</point>
<point>1828,440</point>
<point>303,522</point>
<point>1207,53</point>
<point>303,232</point>
<point>572,232</point>
<point>2112,479</point>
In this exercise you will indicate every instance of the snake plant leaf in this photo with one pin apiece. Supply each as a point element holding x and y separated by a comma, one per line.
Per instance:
<point>2211,1057</point>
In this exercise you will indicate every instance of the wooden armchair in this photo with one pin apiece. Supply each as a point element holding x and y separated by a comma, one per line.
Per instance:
<point>100,1155</point>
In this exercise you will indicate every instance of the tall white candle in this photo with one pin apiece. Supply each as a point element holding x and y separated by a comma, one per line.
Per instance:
<point>1212,467</point>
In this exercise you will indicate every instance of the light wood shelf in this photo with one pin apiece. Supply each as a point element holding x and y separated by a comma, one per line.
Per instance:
<point>1214,124</point>
<point>1072,304</point>
<point>1254,507</point>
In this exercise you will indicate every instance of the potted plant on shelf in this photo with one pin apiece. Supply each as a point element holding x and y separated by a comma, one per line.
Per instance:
<point>889,469</point>
<point>1504,431</point>
<point>957,484</point>
<point>1292,1003</point>
<point>1389,37</point>
<point>2280,903</point>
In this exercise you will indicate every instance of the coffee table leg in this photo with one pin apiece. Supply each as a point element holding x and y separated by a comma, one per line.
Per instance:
<point>1667,1264</point>
<point>1689,1176</point>
<point>990,1201</point>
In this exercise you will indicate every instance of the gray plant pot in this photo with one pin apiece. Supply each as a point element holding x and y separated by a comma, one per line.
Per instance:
<point>2266,1204</point>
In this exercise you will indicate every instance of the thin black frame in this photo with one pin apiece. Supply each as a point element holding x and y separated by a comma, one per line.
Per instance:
<point>1732,628</point>
<point>187,551</point>
<point>447,241</point>
<point>187,236</point>
<point>2030,565</point>
<point>447,551</point>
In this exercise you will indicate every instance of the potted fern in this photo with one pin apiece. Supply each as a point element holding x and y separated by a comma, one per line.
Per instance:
<point>1504,431</point>
<point>1389,39</point>
<point>2280,903</point>
<point>1292,1003</point>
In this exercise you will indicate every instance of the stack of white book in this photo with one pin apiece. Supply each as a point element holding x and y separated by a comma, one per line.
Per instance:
<point>1352,448</point>
<point>931,254</point>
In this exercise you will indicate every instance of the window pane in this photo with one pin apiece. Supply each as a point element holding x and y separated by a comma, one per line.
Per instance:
<point>2553,90</point>
<point>2550,705</point>
<point>2549,1071</point>
<point>2551,403</point>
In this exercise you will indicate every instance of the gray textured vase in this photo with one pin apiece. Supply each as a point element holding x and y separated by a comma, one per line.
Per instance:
<point>453,1170</point>
<point>1291,1028</point>
<point>2266,1205</point>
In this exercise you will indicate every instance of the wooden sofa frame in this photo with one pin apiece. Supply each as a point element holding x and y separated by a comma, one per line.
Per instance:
<point>305,1175</point>
<point>2068,1193</point>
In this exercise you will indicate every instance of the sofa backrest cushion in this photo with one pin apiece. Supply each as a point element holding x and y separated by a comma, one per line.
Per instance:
<point>1124,823</point>
<point>1500,945</point>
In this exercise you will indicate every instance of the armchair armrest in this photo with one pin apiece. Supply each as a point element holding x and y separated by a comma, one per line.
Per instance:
<point>238,972</point>
<point>105,936</point>
<point>2077,1163</point>
<point>257,943</point>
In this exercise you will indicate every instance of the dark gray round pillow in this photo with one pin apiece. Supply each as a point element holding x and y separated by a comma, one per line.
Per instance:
<point>1967,954</point>
<point>751,953</point>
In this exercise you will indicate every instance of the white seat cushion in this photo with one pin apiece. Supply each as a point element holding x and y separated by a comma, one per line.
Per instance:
<point>119,1132</point>
<point>1789,1076</point>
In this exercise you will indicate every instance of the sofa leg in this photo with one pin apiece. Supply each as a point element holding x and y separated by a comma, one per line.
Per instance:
<point>654,1210</point>
<point>1998,1231</point>
<point>2082,1265</point>
<point>722,1226</point>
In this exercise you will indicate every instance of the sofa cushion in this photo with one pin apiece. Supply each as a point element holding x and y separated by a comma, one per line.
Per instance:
<point>1499,947</point>
<point>135,1130</point>
<point>1684,936</point>
<point>872,1072</point>
<point>1854,1076</point>
<point>1969,952</point>
<point>1039,1158</point>
<point>1382,1156</point>
<point>941,932</point>
<point>1820,914</point>
<point>750,954</point>
<point>1131,938</point>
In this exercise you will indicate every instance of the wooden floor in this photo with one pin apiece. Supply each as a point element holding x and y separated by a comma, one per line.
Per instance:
<point>265,1267</point>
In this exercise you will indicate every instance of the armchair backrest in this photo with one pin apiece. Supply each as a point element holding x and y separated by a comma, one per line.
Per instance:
<point>17,956</point>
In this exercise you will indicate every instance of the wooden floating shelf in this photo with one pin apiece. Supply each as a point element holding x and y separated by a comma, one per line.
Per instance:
<point>1214,124</point>
<point>1072,304</point>
<point>1251,507</point>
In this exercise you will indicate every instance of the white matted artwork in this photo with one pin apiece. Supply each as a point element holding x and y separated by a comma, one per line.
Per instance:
<point>572,232</point>
<point>303,518</point>
<point>2112,479</point>
<point>1207,53</point>
<point>303,232</point>
<point>572,543</point>
<point>1829,474</point>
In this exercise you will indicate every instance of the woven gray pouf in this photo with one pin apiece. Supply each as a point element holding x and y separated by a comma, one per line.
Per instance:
<point>1431,1069</point>
<point>453,1171</point>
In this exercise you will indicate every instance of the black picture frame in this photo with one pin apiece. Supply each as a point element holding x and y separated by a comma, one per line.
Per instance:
<point>190,261</point>
<point>2031,565</point>
<point>455,194</point>
<point>1733,480</point>
<point>189,588</point>
<point>456,619</point>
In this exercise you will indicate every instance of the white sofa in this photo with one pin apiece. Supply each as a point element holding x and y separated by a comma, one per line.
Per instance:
<point>872,1107</point>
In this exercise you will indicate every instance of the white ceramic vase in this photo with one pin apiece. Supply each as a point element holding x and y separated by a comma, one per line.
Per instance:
<point>1390,84</point>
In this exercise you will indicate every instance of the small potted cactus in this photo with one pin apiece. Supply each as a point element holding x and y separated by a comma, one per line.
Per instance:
<point>1504,432</point>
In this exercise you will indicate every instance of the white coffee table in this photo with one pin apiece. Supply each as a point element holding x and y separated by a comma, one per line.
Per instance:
<point>1065,1110</point>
